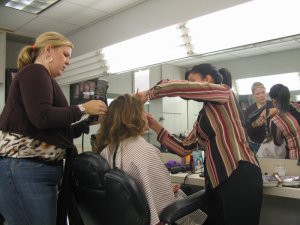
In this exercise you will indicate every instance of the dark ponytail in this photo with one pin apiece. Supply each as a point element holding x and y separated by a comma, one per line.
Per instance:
<point>227,79</point>
<point>282,94</point>
<point>204,69</point>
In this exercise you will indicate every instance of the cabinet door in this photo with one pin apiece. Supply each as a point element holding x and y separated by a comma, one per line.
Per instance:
<point>175,115</point>
<point>193,109</point>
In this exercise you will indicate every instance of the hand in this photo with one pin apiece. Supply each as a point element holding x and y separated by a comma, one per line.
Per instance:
<point>142,96</point>
<point>190,139</point>
<point>162,81</point>
<point>263,113</point>
<point>258,122</point>
<point>153,123</point>
<point>272,112</point>
<point>176,188</point>
<point>95,107</point>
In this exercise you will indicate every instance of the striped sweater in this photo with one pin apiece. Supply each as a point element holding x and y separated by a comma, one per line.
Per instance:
<point>285,126</point>
<point>218,128</point>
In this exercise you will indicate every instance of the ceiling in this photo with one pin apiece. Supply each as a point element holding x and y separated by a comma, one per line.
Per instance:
<point>70,16</point>
<point>66,17</point>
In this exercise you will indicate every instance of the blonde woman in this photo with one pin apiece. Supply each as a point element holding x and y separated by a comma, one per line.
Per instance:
<point>36,134</point>
<point>256,129</point>
<point>121,131</point>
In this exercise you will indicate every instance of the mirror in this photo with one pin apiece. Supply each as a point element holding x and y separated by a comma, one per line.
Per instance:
<point>171,110</point>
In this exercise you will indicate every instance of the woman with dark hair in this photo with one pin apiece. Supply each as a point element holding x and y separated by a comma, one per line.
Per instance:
<point>233,181</point>
<point>227,79</point>
<point>284,126</point>
<point>121,130</point>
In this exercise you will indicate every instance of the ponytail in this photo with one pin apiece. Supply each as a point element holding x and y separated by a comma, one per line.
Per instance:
<point>26,56</point>
<point>29,53</point>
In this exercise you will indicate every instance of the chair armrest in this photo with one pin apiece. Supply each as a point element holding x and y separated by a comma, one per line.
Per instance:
<point>183,207</point>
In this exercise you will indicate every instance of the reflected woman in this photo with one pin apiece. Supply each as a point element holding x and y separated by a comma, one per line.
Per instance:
<point>284,126</point>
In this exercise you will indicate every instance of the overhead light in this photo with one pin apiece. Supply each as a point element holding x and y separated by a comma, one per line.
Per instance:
<point>291,80</point>
<point>31,6</point>
<point>251,22</point>
<point>152,48</point>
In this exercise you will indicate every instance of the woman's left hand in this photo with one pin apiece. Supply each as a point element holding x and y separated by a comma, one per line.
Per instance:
<point>142,96</point>
<point>176,188</point>
<point>272,112</point>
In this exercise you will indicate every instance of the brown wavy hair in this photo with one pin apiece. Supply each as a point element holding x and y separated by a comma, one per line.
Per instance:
<point>124,118</point>
<point>29,53</point>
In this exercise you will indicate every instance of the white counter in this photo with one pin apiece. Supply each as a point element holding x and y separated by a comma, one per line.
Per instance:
<point>280,191</point>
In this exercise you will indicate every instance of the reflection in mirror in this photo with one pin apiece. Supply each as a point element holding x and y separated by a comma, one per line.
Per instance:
<point>177,115</point>
<point>261,56</point>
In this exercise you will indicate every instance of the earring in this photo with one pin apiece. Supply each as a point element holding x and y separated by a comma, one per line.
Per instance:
<point>48,59</point>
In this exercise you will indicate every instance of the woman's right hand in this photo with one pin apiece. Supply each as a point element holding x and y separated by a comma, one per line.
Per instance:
<point>259,122</point>
<point>153,123</point>
<point>95,107</point>
<point>142,96</point>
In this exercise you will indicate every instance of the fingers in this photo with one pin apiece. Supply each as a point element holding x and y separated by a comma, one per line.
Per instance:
<point>261,120</point>
<point>142,96</point>
<point>176,188</point>
<point>95,107</point>
<point>102,108</point>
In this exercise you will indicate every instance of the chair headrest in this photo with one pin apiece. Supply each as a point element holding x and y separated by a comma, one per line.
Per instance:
<point>90,168</point>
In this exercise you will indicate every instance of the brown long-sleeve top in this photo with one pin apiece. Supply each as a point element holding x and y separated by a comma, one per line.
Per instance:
<point>36,107</point>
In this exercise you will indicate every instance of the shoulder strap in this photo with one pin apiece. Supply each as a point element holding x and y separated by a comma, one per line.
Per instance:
<point>268,137</point>
<point>115,155</point>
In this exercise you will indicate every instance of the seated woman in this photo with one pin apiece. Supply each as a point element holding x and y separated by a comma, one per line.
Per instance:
<point>121,130</point>
<point>284,126</point>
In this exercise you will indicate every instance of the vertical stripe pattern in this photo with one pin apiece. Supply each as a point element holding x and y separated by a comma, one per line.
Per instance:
<point>218,125</point>
<point>290,131</point>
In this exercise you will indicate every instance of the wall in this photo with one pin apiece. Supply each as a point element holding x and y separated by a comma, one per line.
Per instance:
<point>267,64</point>
<point>12,52</point>
<point>2,68</point>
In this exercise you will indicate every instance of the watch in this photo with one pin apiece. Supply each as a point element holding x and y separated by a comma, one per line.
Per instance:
<point>82,109</point>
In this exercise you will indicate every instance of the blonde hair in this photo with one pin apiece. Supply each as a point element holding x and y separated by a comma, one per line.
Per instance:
<point>257,85</point>
<point>29,53</point>
<point>124,118</point>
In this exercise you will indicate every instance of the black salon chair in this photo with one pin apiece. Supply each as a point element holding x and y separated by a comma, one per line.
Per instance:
<point>108,196</point>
